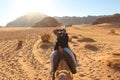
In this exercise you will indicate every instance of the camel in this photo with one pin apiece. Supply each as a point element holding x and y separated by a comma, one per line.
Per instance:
<point>63,71</point>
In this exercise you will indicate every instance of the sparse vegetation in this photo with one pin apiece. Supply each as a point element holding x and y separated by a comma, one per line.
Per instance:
<point>84,39</point>
<point>20,42</point>
<point>32,60</point>
<point>91,47</point>
<point>112,31</point>
<point>45,37</point>
<point>19,46</point>
<point>116,54</point>
<point>75,37</point>
<point>72,37</point>
<point>114,64</point>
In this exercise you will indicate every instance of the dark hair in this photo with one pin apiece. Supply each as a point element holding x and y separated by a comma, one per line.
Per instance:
<point>64,29</point>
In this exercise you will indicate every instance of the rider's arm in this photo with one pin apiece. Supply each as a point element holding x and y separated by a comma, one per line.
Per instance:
<point>56,31</point>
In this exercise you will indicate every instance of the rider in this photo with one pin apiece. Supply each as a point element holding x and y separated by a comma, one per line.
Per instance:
<point>62,40</point>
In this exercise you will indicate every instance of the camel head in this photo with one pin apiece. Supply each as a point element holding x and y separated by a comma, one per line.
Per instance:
<point>64,75</point>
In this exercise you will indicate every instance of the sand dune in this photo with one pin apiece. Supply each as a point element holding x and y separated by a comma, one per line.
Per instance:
<point>31,62</point>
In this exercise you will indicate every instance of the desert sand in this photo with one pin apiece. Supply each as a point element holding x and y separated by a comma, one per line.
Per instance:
<point>96,48</point>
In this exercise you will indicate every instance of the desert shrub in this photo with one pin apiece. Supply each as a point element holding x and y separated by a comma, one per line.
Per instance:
<point>20,42</point>
<point>45,37</point>
<point>114,64</point>
<point>19,45</point>
<point>91,47</point>
<point>75,37</point>
<point>116,54</point>
<point>84,39</point>
<point>112,31</point>
<point>80,35</point>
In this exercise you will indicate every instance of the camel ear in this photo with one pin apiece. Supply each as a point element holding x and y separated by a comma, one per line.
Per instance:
<point>57,73</point>
<point>70,75</point>
<point>69,72</point>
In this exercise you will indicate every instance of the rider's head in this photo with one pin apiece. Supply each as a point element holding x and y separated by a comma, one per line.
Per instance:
<point>62,31</point>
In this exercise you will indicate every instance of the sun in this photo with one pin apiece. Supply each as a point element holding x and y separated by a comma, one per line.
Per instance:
<point>25,6</point>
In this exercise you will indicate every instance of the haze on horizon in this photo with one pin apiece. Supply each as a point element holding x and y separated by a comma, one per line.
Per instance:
<point>11,9</point>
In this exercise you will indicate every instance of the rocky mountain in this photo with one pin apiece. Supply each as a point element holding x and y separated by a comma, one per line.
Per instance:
<point>47,22</point>
<point>26,20</point>
<point>31,19</point>
<point>66,20</point>
<point>109,19</point>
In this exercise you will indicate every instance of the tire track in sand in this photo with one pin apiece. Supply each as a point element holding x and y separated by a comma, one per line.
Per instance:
<point>29,70</point>
<point>36,51</point>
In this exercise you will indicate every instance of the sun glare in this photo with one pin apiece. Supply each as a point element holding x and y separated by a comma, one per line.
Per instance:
<point>25,6</point>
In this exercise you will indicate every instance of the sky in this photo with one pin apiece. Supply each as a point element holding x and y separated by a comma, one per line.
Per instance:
<point>12,9</point>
